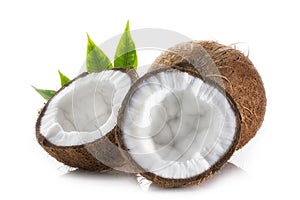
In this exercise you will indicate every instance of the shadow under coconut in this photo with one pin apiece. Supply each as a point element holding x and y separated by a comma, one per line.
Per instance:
<point>229,171</point>
<point>109,177</point>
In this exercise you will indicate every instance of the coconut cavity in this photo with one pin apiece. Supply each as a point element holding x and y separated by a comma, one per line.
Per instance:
<point>233,70</point>
<point>76,125</point>
<point>176,128</point>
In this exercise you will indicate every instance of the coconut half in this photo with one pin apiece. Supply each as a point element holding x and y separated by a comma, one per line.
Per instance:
<point>77,124</point>
<point>176,128</point>
<point>233,70</point>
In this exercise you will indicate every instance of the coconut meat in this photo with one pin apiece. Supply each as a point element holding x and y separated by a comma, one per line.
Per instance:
<point>176,125</point>
<point>86,109</point>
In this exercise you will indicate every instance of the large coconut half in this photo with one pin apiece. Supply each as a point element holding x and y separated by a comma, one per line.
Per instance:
<point>233,70</point>
<point>76,125</point>
<point>177,128</point>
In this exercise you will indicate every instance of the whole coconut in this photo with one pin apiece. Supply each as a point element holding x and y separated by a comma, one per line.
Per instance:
<point>230,68</point>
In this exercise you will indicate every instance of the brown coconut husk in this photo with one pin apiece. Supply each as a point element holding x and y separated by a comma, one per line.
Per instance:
<point>168,182</point>
<point>233,70</point>
<point>100,155</point>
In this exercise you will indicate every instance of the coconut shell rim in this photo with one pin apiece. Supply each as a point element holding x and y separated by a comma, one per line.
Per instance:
<point>180,182</point>
<point>45,142</point>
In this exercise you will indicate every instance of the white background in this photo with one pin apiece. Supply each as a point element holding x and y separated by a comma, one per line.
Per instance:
<point>37,38</point>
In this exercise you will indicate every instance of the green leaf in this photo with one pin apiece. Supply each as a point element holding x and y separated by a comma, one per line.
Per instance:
<point>63,79</point>
<point>96,60</point>
<point>125,56</point>
<point>46,94</point>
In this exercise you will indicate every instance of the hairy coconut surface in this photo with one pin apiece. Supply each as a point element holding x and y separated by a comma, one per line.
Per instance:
<point>233,70</point>
<point>177,128</point>
<point>77,124</point>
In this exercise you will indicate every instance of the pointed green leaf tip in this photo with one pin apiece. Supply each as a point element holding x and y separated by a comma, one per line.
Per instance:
<point>125,56</point>
<point>96,60</point>
<point>63,79</point>
<point>46,94</point>
<point>127,28</point>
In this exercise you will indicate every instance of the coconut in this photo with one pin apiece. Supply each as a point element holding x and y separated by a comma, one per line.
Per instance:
<point>233,70</point>
<point>177,128</point>
<point>76,126</point>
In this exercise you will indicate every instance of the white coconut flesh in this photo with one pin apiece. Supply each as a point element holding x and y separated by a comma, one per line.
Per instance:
<point>177,126</point>
<point>85,110</point>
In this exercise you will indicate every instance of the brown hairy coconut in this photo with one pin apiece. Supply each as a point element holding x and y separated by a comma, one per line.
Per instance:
<point>177,128</point>
<point>76,126</point>
<point>233,70</point>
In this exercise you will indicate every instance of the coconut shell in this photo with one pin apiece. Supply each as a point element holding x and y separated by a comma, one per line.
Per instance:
<point>233,70</point>
<point>100,155</point>
<point>168,182</point>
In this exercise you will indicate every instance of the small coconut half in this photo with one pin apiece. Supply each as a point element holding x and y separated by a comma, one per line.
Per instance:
<point>77,124</point>
<point>177,128</point>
